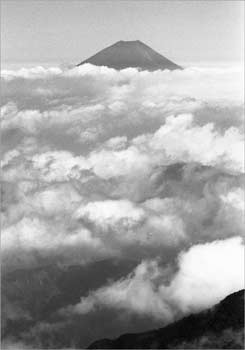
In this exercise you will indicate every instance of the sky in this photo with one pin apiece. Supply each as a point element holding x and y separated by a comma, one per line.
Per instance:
<point>71,31</point>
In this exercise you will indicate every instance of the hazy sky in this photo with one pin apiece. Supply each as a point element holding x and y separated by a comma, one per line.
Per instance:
<point>70,31</point>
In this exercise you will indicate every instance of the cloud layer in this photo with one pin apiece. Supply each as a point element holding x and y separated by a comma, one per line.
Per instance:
<point>145,166</point>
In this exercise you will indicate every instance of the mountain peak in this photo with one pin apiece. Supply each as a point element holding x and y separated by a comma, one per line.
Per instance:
<point>135,54</point>
<point>129,41</point>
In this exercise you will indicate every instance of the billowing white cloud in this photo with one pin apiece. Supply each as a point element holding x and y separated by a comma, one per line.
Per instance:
<point>33,240</point>
<point>109,213</point>
<point>207,273</point>
<point>101,163</point>
<point>58,166</point>
<point>178,140</point>
<point>204,277</point>
<point>89,97</point>
<point>182,141</point>
<point>136,293</point>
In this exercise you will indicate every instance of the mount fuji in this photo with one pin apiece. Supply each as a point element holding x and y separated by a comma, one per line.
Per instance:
<point>125,54</point>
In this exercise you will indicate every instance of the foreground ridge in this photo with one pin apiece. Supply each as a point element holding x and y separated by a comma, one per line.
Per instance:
<point>221,327</point>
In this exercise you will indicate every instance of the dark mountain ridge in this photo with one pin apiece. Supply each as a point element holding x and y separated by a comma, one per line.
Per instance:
<point>221,327</point>
<point>124,54</point>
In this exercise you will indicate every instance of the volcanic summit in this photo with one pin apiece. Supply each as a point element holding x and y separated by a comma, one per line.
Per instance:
<point>125,54</point>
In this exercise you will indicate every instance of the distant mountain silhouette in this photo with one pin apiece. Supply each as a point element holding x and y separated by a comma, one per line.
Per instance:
<point>124,54</point>
<point>221,327</point>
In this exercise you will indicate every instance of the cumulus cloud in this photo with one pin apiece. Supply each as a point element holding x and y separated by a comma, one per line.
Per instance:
<point>99,163</point>
<point>33,241</point>
<point>178,140</point>
<point>109,213</point>
<point>204,277</point>
<point>135,293</point>
<point>87,98</point>
<point>183,141</point>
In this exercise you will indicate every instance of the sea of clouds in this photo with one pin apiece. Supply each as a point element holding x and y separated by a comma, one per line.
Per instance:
<point>100,163</point>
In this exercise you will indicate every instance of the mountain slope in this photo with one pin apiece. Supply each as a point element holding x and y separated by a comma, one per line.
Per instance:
<point>31,296</point>
<point>220,327</point>
<point>124,54</point>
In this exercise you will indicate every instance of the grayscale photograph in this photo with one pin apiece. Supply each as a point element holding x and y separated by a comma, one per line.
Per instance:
<point>122,174</point>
